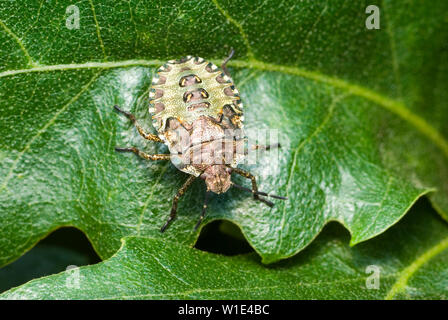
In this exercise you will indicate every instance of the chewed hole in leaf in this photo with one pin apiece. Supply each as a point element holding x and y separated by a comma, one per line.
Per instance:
<point>62,248</point>
<point>223,237</point>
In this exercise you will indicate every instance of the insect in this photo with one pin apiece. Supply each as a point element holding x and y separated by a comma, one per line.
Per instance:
<point>198,114</point>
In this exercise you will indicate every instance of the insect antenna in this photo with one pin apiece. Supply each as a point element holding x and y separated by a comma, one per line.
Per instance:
<point>204,208</point>
<point>266,147</point>
<point>260,193</point>
<point>224,64</point>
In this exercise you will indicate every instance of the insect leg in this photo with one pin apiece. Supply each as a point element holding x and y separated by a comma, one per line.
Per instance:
<point>179,194</point>
<point>147,136</point>
<point>143,154</point>
<point>266,147</point>
<point>224,63</point>
<point>250,176</point>
<point>204,209</point>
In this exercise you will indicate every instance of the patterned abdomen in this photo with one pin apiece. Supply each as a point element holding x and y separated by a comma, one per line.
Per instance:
<point>198,113</point>
<point>189,88</point>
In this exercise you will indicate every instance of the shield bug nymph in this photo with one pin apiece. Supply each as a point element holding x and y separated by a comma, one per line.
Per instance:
<point>198,114</point>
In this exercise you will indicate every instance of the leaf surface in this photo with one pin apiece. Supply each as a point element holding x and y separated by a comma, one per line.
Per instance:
<point>148,268</point>
<point>361,114</point>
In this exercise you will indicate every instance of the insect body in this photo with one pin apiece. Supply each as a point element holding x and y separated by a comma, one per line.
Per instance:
<point>198,114</point>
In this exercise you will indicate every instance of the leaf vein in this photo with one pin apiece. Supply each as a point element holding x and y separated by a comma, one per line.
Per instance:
<point>148,200</point>
<point>246,289</point>
<point>296,151</point>
<point>98,32</point>
<point>393,49</point>
<point>299,56</point>
<point>31,62</point>
<point>394,106</point>
<point>413,267</point>
<point>239,26</point>
<point>169,271</point>
<point>44,128</point>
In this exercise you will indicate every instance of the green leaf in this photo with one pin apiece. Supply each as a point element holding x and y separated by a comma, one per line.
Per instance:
<point>148,268</point>
<point>63,248</point>
<point>362,117</point>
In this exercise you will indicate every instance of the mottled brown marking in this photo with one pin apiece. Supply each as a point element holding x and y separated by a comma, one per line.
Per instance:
<point>209,68</point>
<point>217,178</point>
<point>159,107</point>
<point>196,106</point>
<point>229,92</point>
<point>159,94</point>
<point>189,80</point>
<point>195,95</point>
<point>221,79</point>
<point>236,120</point>
<point>162,80</point>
